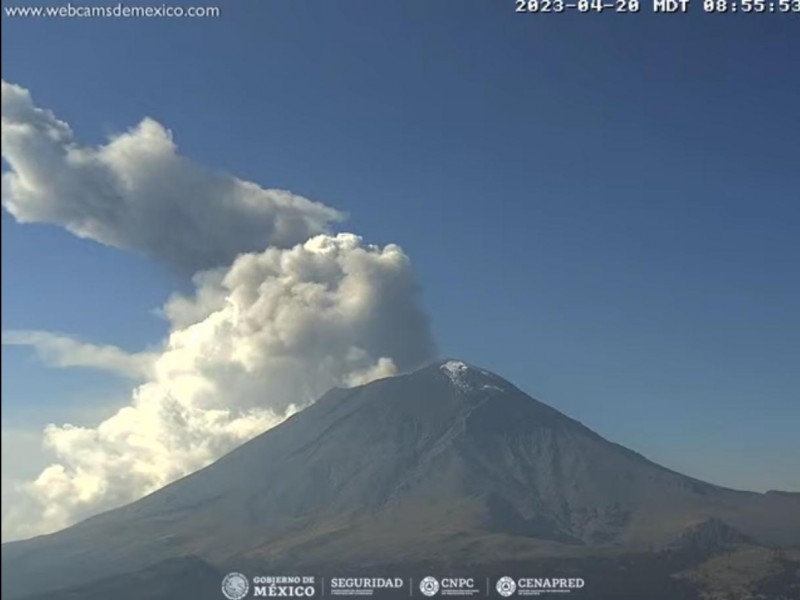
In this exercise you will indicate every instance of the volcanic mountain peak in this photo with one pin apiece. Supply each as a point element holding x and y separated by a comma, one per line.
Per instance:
<point>458,372</point>
<point>468,378</point>
<point>449,464</point>
<point>454,369</point>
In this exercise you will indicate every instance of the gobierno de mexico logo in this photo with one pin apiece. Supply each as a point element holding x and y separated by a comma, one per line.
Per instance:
<point>235,586</point>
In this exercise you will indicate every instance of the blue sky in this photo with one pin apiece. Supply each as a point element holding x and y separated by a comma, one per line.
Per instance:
<point>602,208</point>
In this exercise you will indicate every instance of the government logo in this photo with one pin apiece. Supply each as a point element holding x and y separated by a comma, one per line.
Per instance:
<point>429,586</point>
<point>506,587</point>
<point>364,586</point>
<point>235,586</point>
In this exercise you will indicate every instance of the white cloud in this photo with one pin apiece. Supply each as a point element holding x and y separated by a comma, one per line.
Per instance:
<point>260,337</point>
<point>65,351</point>
<point>137,192</point>
<point>22,458</point>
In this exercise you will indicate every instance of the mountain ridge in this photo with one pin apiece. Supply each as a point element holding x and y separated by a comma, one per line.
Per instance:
<point>449,463</point>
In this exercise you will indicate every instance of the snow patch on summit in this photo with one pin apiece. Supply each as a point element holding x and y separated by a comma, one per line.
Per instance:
<point>457,371</point>
<point>471,379</point>
<point>454,367</point>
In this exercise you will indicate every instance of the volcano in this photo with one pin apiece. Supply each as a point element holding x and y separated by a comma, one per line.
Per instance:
<point>448,467</point>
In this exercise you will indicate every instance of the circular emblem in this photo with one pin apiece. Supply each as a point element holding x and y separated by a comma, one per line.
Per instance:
<point>506,586</point>
<point>429,586</point>
<point>235,586</point>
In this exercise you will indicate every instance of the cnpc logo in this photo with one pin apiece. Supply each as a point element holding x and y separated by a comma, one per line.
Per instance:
<point>430,586</point>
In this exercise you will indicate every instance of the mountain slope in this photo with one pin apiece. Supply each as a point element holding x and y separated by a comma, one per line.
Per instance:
<point>183,577</point>
<point>449,465</point>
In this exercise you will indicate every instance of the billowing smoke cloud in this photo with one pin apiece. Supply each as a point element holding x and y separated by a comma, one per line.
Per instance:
<point>259,339</point>
<point>136,192</point>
